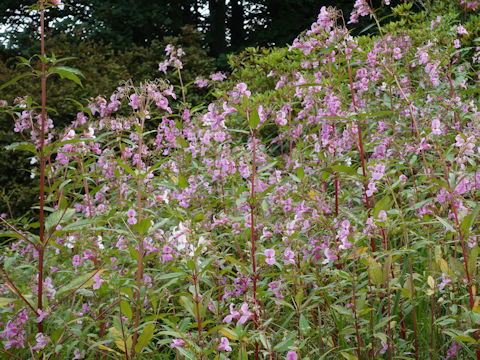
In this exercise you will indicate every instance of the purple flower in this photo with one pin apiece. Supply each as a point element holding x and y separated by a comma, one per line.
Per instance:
<point>41,315</point>
<point>445,281</point>
<point>292,355</point>
<point>201,82</point>
<point>78,355</point>
<point>224,345</point>
<point>98,281</point>
<point>218,76</point>
<point>270,256</point>
<point>42,340</point>
<point>329,256</point>
<point>461,30</point>
<point>233,314</point>
<point>289,256</point>
<point>384,347</point>
<point>177,343</point>
<point>453,350</point>
<point>131,213</point>
<point>246,314</point>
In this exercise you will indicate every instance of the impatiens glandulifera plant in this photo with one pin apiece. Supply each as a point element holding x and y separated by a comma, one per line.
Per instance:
<point>325,206</point>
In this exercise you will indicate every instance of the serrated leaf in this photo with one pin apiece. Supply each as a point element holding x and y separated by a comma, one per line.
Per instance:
<point>254,119</point>
<point>348,356</point>
<point>144,338</point>
<point>384,204</point>
<point>182,182</point>
<point>126,309</point>
<point>67,73</point>
<point>464,338</point>
<point>14,80</point>
<point>229,333</point>
<point>300,173</point>
<point>58,217</point>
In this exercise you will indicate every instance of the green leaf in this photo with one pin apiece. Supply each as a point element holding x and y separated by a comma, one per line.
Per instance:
<point>182,182</point>
<point>300,173</point>
<point>14,80</point>
<point>383,204</point>
<point>187,304</point>
<point>77,281</point>
<point>145,338</point>
<point>469,220</point>
<point>464,338</point>
<point>344,169</point>
<point>472,261</point>
<point>304,326</point>
<point>143,226</point>
<point>57,217</point>
<point>24,146</point>
<point>348,356</point>
<point>66,73</point>
<point>169,276</point>
<point>254,119</point>
<point>446,224</point>
<point>126,309</point>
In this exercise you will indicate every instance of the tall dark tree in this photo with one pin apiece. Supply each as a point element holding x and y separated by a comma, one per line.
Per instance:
<point>236,24</point>
<point>216,35</point>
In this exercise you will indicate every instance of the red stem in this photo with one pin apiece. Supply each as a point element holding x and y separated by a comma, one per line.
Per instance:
<point>41,248</point>
<point>360,146</point>
<point>252,228</point>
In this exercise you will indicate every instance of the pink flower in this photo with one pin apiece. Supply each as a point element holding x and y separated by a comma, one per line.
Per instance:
<point>289,256</point>
<point>42,340</point>
<point>131,213</point>
<point>292,355</point>
<point>329,256</point>
<point>270,256</point>
<point>445,281</point>
<point>41,315</point>
<point>201,82</point>
<point>436,127</point>
<point>246,314</point>
<point>224,345</point>
<point>233,314</point>
<point>98,281</point>
<point>78,355</point>
<point>177,343</point>
<point>218,76</point>
<point>461,30</point>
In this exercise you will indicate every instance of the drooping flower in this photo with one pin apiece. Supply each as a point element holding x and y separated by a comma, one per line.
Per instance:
<point>177,343</point>
<point>42,341</point>
<point>445,281</point>
<point>289,256</point>
<point>292,355</point>
<point>270,256</point>
<point>98,281</point>
<point>245,314</point>
<point>224,345</point>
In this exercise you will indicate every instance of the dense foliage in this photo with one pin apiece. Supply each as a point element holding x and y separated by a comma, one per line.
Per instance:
<point>323,206</point>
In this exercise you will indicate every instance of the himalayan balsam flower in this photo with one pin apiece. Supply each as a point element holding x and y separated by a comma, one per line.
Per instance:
<point>292,355</point>
<point>42,341</point>
<point>224,345</point>
<point>289,256</point>
<point>98,281</point>
<point>445,281</point>
<point>177,343</point>
<point>245,314</point>
<point>131,213</point>
<point>41,315</point>
<point>270,256</point>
